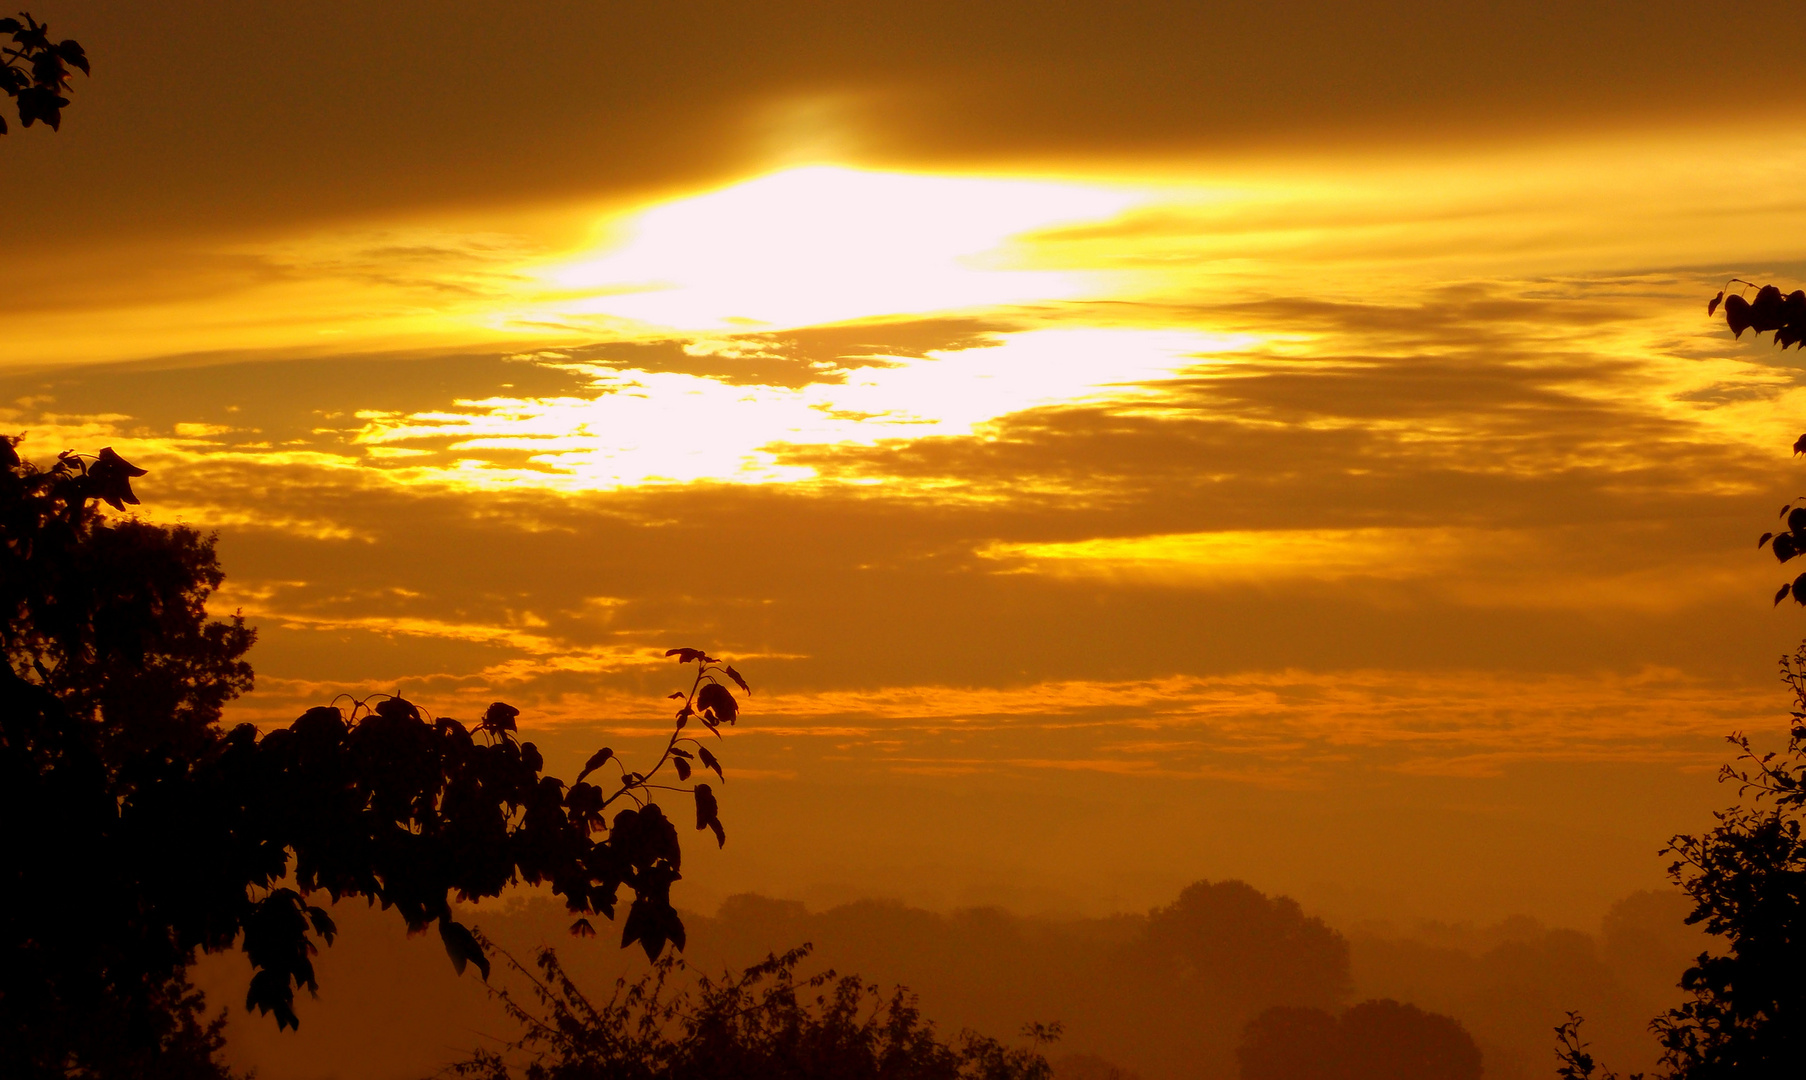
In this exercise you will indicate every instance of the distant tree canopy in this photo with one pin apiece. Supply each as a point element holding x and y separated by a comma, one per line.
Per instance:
<point>34,71</point>
<point>142,832</point>
<point>1375,1040</point>
<point>1231,937</point>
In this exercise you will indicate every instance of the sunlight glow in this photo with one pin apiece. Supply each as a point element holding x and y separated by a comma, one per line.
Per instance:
<point>825,244</point>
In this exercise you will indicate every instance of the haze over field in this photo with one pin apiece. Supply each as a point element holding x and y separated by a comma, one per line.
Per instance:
<point>1124,445</point>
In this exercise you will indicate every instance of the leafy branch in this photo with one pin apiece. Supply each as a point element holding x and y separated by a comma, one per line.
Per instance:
<point>34,71</point>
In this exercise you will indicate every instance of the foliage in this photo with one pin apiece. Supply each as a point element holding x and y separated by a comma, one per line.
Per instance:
<point>154,834</point>
<point>759,1025</point>
<point>34,71</point>
<point>1375,1040</point>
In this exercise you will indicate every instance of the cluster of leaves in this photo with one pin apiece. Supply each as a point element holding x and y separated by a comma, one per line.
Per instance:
<point>34,71</point>
<point>143,832</point>
<point>1788,545</point>
<point>1785,316</point>
<point>764,1024</point>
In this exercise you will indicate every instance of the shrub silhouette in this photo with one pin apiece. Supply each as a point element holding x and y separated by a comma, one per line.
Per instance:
<point>143,833</point>
<point>763,1024</point>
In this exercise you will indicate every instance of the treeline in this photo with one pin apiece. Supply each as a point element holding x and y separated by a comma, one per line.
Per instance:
<point>1164,995</point>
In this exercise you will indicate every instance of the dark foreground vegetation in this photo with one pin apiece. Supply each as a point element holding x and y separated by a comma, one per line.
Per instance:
<point>144,833</point>
<point>764,1024</point>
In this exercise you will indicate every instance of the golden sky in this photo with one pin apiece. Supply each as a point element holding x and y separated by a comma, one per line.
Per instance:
<point>1123,443</point>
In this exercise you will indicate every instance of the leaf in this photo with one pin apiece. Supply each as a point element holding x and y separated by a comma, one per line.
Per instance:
<point>1799,589</point>
<point>680,752</point>
<point>1782,595</point>
<point>685,656</point>
<point>1766,313</point>
<point>500,717</point>
<point>1713,306</point>
<point>1737,314</point>
<point>683,768</point>
<point>676,695</point>
<point>72,53</point>
<point>1799,445</point>
<point>708,813</point>
<point>1796,519</point>
<point>715,699</point>
<point>1765,539</point>
<point>708,760</point>
<point>323,924</point>
<point>1784,547</point>
<point>583,928</point>
<point>738,681</point>
<point>462,947</point>
<point>111,475</point>
<point>596,761</point>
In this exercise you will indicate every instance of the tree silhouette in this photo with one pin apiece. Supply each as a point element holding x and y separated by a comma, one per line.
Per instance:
<point>763,1024</point>
<point>1375,1040</point>
<point>34,71</point>
<point>143,833</point>
<point>1747,875</point>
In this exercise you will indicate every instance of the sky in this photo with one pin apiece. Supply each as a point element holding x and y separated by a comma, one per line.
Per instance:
<point>1121,444</point>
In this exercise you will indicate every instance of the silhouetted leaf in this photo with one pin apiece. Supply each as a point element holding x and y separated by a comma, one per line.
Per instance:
<point>462,947</point>
<point>596,761</point>
<point>582,928</point>
<point>1799,589</point>
<point>738,681</point>
<point>500,717</point>
<point>708,760</point>
<point>708,814</point>
<point>1799,445</point>
<point>682,766</point>
<point>1784,547</point>
<point>685,656</point>
<point>1782,595</point>
<point>1713,306</point>
<point>72,52</point>
<point>1765,539</point>
<point>717,701</point>
<point>1737,314</point>
<point>111,478</point>
<point>677,695</point>
<point>1766,311</point>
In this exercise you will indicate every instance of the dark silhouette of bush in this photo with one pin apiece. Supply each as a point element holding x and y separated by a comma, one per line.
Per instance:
<point>764,1024</point>
<point>34,71</point>
<point>1375,1040</point>
<point>143,833</point>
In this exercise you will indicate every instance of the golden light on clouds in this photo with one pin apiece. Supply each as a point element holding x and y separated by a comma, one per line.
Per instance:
<point>638,427</point>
